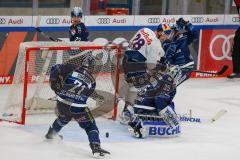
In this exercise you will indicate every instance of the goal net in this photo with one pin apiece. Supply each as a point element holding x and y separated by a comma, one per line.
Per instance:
<point>30,92</point>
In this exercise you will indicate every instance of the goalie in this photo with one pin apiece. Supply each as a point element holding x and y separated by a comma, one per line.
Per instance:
<point>73,85</point>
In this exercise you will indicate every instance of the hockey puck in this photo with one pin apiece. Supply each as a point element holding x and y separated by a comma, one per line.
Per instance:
<point>107,134</point>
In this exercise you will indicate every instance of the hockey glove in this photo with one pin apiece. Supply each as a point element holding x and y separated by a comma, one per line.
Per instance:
<point>57,85</point>
<point>162,64</point>
<point>182,25</point>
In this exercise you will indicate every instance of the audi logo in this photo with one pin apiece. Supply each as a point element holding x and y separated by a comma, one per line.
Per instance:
<point>197,20</point>
<point>103,20</point>
<point>2,21</point>
<point>53,21</point>
<point>226,47</point>
<point>236,19</point>
<point>153,20</point>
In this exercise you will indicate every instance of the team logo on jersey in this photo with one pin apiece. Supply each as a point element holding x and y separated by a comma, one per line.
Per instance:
<point>146,36</point>
<point>79,29</point>
<point>73,32</point>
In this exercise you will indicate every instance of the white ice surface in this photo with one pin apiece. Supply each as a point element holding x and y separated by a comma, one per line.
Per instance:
<point>216,141</point>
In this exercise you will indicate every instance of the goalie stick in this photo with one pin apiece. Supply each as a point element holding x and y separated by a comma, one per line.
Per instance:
<point>190,119</point>
<point>223,70</point>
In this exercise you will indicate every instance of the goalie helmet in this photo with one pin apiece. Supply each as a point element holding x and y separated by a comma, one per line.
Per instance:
<point>88,62</point>
<point>76,12</point>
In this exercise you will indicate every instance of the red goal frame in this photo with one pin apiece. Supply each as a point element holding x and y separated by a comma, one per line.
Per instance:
<point>26,69</point>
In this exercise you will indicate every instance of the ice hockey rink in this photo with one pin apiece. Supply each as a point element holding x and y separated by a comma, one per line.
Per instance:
<point>219,140</point>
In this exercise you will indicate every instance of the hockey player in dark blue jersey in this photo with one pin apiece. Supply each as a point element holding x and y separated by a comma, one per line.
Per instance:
<point>73,85</point>
<point>175,41</point>
<point>78,30</point>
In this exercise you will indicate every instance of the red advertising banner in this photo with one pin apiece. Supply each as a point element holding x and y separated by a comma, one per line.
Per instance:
<point>6,79</point>
<point>215,51</point>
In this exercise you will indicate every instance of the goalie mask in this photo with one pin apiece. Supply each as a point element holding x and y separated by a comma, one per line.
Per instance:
<point>88,63</point>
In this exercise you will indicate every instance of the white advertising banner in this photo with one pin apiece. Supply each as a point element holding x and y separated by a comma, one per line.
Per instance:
<point>15,21</point>
<point>205,19</point>
<point>52,21</point>
<point>119,20</point>
<point>152,20</point>
<point>109,20</point>
<point>232,19</point>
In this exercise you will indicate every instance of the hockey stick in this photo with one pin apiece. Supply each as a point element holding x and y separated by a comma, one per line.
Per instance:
<point>214,118</point>
<point>42,33</point>
<point>189,119</point>
<point>223,70</point>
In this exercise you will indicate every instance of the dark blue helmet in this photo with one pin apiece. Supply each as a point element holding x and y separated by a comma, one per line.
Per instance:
<point>76,12</point>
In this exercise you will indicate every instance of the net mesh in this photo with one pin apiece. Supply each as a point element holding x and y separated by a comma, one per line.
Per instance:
<point>30,86</point>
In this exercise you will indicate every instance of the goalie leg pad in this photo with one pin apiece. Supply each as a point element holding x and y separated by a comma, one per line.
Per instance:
<point>153,126</point>
<point>169,116</point>
<point>161,129</point>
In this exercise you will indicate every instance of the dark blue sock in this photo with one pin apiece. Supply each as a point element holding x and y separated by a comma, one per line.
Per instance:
<point>93,136</point>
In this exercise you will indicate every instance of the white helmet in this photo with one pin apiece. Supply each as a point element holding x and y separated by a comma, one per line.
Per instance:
<point>76,12</point>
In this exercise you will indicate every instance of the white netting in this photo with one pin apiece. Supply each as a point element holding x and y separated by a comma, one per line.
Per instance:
<point>37,95</point>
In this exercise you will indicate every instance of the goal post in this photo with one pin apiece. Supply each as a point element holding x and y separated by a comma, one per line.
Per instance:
<point>30,92</point>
